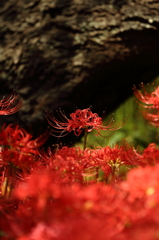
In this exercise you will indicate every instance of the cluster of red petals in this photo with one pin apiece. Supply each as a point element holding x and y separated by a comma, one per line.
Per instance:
<point>142,187</point>
<point>50,210</point>
<point>150,155</point>
<point>145,99</point>
<point>18,147</point>
<point>80,120</point>
<point>10,104</point>
<point>66,163</point>
<point>152,117</point>
<point>74,164</point>
<point>150,104</point>
<point>56,201</point>
<point>53,211</point>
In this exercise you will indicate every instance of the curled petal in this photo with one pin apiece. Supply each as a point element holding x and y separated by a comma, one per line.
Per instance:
<point>145,99</point>
<point>149,103</point>
<point>153,118</point>
<point>9,105</point>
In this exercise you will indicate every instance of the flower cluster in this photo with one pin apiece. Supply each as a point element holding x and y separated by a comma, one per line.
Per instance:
<point>51,210</point>
<point>68,192</point>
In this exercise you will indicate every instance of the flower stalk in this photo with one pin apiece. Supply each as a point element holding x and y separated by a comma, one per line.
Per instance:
<point>8,181</point>
<point>85,138</point>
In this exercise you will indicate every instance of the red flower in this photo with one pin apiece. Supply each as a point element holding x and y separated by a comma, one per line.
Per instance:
<point>18,146</point>
<point>147,100</point>
<point>83,166</point>
<point>50,210</point>
<point>153,118</point>
<point>18,156</point>
<point>80,120</point>
<point>150,155</point>
<point>8,104</point>
<point>19,139</point>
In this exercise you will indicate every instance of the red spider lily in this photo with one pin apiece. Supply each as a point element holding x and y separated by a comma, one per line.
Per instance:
<point>19,139</point>
<point>67,163</point>
<point>18,156</point>
<point>49,210</point>
<point>18,145</point>
<point>153,118</point>
<point>143,200</point>
<point>150,155</point>
<point>82,166</point>
<point>147,100</point>
<point>80,120</point>
<point>58,211</point>
<point>8,104</point>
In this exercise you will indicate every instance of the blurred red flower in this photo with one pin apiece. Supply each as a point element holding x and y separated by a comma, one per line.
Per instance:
<point>150,104</point>
<point>18,146</point>
<point>145,99</point>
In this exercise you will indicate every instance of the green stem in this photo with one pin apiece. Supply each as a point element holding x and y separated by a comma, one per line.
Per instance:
<point>97,172</point>
<point>85,138</point>
<point>8,182</point>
